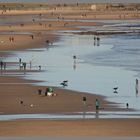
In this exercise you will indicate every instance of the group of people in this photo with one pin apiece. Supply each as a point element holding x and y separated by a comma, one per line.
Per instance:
<point>97,107</point>
<point>97,103</point>
<point>48,92</point>
<point>11,39</point>
<point>96,41</point>
<point>3,65</point>
<point>22,65</point>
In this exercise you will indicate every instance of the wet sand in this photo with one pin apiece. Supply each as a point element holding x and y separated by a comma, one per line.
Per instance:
<point>15,89</point>
<point>71,128</point>
<point>24,41</point>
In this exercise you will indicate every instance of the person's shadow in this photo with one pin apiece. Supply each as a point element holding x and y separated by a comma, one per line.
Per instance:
<point>97,114</point>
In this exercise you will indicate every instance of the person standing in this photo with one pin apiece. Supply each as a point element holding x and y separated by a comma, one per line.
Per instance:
<point>39,67</point>
<point>98,41</point>
<point>30,65</point>
<point>127,105</point>
<point>95,40</point>
<point>137,87</point>
<point>4,65</point>
<point>24,65</point>
<point>1,65</point>
<point>46,92</point>
<point>84,106</point>
<point>97,104</point>
<point>19,60</point>
<point>39,91</point>
<point>84,100</point>
<point>12,39</point>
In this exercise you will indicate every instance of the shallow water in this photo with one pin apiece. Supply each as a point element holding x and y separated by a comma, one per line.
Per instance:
<point>18,19</point>
<point>11,20</point>
<point>98,69</point>
<point>73,116</point>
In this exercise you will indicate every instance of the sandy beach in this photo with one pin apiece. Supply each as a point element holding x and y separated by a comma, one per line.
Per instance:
<point>14,89</point>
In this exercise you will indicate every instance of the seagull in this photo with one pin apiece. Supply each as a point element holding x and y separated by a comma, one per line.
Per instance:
<point>115,92</point>
<point>64,83</point>
<point>115,89</point>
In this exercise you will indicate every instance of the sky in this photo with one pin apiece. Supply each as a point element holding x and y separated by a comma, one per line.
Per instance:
<point>74,1</point>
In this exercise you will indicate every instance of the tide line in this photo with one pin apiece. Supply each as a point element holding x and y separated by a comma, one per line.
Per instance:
<point>14,83</point>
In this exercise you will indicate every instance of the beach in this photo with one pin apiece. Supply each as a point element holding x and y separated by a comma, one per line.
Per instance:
<point>14,89</point>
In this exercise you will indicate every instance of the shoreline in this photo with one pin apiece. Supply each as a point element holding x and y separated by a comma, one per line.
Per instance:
<point>57,104</point>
